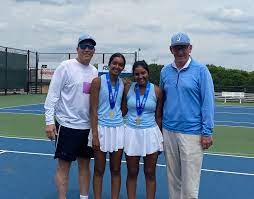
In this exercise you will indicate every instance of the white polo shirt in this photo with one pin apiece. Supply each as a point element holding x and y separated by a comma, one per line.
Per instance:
<point>68,96</point>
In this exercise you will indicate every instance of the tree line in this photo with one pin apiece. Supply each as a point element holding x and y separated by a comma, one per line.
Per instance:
<point>224,79</point>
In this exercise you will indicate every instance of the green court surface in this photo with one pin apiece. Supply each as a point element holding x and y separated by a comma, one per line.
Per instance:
<point>17,100</point>
<point>233,140</point>
<point>227,139</point>
<point>22,125</point>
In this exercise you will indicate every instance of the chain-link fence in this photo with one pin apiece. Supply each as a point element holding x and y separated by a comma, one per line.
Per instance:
<point>49,61</point>
<point>25,71</point>
<point>13,70</point>
<point>52,60</point>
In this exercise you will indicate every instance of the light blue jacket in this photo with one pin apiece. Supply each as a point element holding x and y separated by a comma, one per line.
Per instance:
<point>188,99</point>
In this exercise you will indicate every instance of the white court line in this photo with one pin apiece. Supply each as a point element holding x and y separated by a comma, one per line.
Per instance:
<point>20,105</point>
<point>228,172</point>
<point>233,106</point>
<point>24,138</point>
<point>47,140</point>
<point>141,163</point>
<point>229,155</point>
<point>235,122</point>
<point>22,113</point>
<point>26,110</point>
<point>28,153</point>
<point>233,113</point>
<point>250,127</point>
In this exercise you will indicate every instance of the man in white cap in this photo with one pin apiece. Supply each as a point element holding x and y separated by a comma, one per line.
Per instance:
<point>67,116</point>
<point>188,118</point>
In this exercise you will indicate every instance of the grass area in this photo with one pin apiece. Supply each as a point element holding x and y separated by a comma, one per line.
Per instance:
<point>22,125</point>
<point>233,140</point>
<point>16,100</point>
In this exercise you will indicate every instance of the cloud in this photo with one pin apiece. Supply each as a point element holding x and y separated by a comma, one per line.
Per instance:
<point>215,27</point>
<point>230,15</point>
<point>243,31</point>
<point>244,52</point>
<point>49,2</point>
<point>3,25</point>
<point>224,21</point>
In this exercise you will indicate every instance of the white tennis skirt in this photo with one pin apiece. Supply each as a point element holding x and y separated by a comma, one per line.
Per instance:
<point>141,142</point>
<point>111,138</point>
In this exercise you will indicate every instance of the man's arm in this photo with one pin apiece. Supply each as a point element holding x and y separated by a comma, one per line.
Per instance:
<point>207,107</point>
<point>53,96</point>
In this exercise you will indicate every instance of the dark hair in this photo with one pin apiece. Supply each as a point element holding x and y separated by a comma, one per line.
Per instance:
<point>142,63</point>
<point>116,55</point>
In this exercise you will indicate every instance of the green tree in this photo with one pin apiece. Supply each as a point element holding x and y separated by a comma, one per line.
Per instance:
<point>224,79</point>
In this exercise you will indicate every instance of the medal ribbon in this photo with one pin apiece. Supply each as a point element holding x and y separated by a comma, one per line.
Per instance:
<point>112,97</point>
<point>140,106</point>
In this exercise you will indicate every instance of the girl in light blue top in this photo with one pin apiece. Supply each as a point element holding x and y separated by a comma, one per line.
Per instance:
<point>108,116</point>
<point>142,102</point>
<point>148,114</point>
<point>107,125</point>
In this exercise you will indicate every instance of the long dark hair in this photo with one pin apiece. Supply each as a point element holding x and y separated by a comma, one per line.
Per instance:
<point>142,63</point>
<point>116,55</point>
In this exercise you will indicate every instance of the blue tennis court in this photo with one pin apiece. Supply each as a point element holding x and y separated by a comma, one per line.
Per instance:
<point>27,169</point>
<point>27,166</point>
<point>24,109</point>
<point>234,115</point>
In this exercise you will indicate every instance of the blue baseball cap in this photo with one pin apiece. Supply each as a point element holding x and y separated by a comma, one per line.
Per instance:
<point>180,38</point>
<point>84,37</point>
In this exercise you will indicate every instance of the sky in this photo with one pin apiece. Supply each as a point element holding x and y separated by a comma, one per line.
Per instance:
<point>221,31</point>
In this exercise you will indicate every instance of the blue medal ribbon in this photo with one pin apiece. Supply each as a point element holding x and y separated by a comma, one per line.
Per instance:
<point>112,97</point>
<point>140,106</point>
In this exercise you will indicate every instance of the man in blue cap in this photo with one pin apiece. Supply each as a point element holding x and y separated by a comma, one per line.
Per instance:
<point>188,118</point>
<point>67,115</point>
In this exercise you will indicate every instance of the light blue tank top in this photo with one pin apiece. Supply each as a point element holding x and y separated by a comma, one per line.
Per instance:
<point>147,118</point>
<point>104,109</point>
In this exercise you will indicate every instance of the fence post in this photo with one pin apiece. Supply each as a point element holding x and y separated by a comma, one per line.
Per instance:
<point>41,81</point>
<point>103,58</point>
<point>36,74</point>
<point>28,71</point>
<point>6,67</point>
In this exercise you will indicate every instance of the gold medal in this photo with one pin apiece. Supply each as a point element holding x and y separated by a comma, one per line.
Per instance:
<point>111,114</point>
<point>138,121</point>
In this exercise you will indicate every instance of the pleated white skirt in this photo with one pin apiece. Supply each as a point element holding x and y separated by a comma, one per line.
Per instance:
<point>111,138</point>
<point>141,142</point>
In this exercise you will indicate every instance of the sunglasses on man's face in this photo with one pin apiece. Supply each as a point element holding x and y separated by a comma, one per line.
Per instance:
<point>84,46</point>
<point>180,47</point>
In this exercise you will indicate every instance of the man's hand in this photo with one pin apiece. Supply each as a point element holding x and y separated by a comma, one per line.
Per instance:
<point>206,141</point>
<point>50,131</point>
